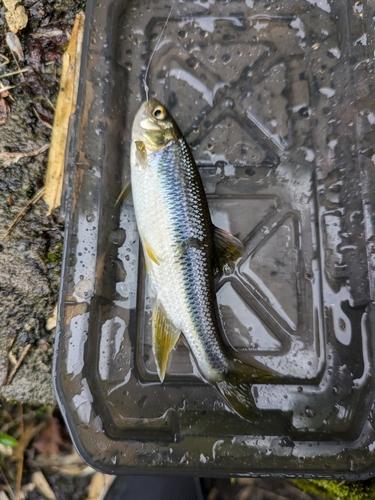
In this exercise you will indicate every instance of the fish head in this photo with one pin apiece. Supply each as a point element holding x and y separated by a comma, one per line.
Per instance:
<point>154,126</point>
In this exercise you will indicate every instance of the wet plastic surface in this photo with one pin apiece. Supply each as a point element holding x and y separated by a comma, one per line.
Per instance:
<point>274,99</point>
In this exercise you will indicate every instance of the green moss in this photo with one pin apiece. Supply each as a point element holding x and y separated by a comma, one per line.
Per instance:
<point>56,257</point>
<point>340,490</point>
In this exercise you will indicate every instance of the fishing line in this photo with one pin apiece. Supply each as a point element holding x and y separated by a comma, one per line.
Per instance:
<point>153,52</point>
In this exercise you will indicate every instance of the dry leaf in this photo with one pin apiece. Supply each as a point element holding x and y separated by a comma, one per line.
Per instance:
<point>42,485</point>
<point>65,107</point>
<point>51,321</point>
<point>15,45</point>
<point>47,33</point>
<point>9,158</point>
<point>68,465</point>
<point>50,440</point>
<point>15,16</point>
<point>99,486</point>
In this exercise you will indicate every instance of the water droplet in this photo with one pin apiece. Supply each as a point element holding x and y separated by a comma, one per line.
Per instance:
<point>310,412</point>
<point>84,289</point>
<point>90,217</point>
<point>226,58</point>
<point>228,102</point>
<point>192,62</point>
<point>342,324</point>
<point>286,442</point>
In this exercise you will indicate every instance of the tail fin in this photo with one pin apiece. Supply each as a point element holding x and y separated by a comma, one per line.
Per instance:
<point>236,387</point>
<point>238,396</point>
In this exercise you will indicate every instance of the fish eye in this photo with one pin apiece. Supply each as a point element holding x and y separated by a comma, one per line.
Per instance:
<point>159,113</point>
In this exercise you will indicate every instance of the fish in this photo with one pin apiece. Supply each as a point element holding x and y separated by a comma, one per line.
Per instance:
<point>183,251</point>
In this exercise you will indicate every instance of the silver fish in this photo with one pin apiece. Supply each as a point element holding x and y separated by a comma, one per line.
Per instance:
<point>182,248</point>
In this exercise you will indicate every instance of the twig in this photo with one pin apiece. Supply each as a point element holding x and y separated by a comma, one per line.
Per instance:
<point>50,102</point>
<point>19,363</point>
<point>9,488</point>
<point>46,124</point>
<point>6,60</point>
<point>12,358</point>
<point>12,342</point>
<point>23,212</point>
<point>23,70</point>
<point>15,59</point>
<point>16,156</point>
<point>4,89</point>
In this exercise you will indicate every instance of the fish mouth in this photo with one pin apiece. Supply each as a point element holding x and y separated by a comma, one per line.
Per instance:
<point>147,125</point>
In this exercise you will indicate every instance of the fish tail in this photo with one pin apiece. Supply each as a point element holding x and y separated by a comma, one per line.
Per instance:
<point>235,387</point>
<point>238,396</point>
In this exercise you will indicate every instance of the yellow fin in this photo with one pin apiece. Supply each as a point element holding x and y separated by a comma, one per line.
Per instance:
<point>150,252</point>
<point>141,148</point>
<point>164,338</point>
<point>227,248</point>
<point>147,263</point>
<point>124,193</point>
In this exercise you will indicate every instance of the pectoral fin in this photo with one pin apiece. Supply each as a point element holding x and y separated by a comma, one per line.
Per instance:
<point>227,249</point>
<point>141,148</point>
<point>164,338</point>
<point>124,193</point>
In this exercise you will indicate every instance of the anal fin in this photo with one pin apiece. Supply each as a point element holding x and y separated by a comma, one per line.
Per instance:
<point>164,338</point>
<point>227,248</point>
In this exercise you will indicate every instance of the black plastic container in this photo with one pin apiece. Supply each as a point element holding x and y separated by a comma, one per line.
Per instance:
<point>274,99</point>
